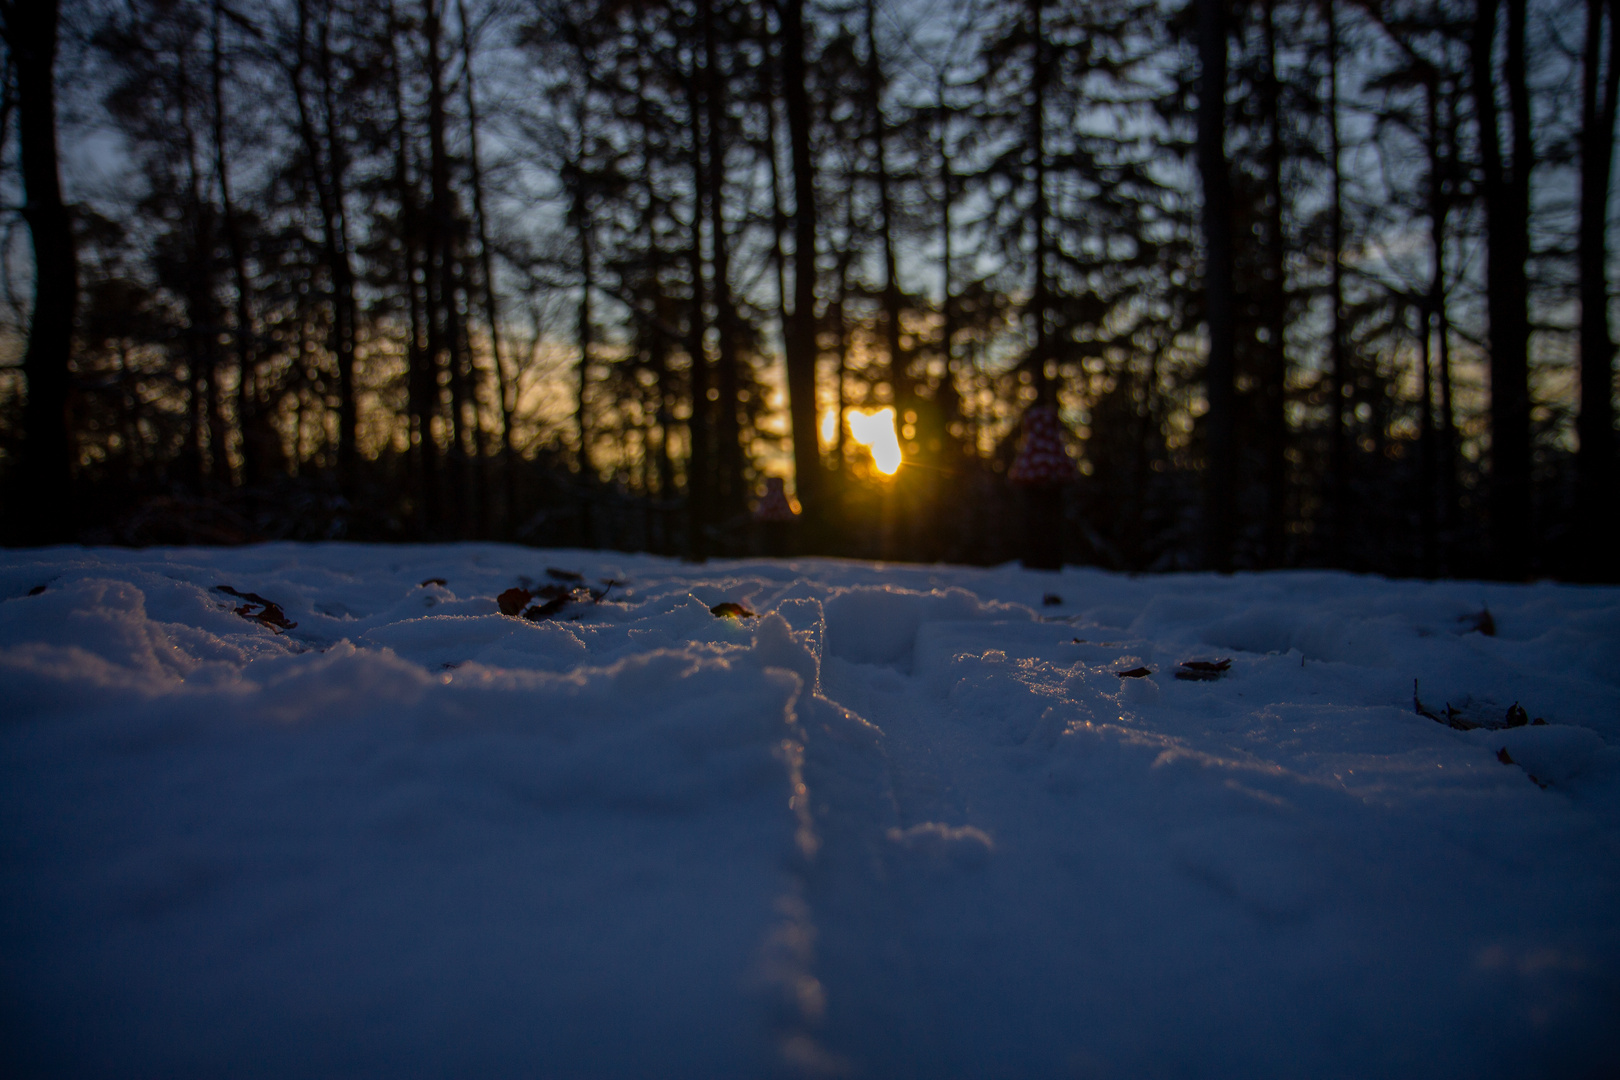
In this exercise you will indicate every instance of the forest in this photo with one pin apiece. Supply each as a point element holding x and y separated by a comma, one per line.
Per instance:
<point>1146,285</point>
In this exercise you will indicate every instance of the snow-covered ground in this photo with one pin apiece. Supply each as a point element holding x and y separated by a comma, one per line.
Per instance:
<point>903,822</point>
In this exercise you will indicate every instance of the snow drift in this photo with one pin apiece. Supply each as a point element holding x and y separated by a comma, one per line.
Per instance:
<point>343,817</point>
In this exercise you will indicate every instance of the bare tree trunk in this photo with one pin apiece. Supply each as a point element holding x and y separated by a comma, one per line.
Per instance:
<point>1507,215</point>
<point>947,191</point>
<point>445,335</point>
<point>422,377</point>
<point>1438,504</point>
<point>583,333</point>
<point>1219,293</point>
<point>1427,550</point>
<point>728,433</point>
<point>47,466</point>
<point>326,162</point>
<point>202,311</point>
<point>339,249</point>
<point>1596,489</point>
<point>1338,446</point>
<point>1273,388</point>
<point>1040,300</point>
<point>242,329</point>
<point>1443,169</point>
<point>699,464</point>
<point>900,386</point>
<point>801,337</point>
<point>487,265</point>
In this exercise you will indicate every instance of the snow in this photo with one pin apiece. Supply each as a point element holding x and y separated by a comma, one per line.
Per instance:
<point>906,822</point>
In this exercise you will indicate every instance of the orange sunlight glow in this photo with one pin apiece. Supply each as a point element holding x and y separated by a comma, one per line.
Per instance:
<point>875,428</point>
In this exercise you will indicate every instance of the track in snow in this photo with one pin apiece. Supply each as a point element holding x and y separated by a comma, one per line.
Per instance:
<point>903,824</point>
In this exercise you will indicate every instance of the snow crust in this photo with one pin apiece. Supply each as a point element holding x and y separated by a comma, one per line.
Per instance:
<point>906,822</point>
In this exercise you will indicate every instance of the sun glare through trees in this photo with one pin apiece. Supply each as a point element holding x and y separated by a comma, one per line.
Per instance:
<point>875,429</point>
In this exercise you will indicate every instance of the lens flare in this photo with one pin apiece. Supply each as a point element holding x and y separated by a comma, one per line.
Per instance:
<point>875,428</point>
<point>829,428</point>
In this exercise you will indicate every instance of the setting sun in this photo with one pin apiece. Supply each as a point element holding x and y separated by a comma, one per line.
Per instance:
<point>875,429</point>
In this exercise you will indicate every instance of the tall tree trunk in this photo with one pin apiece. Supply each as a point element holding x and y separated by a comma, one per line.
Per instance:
<point>1219,291</point>
<point>1595,467</point>
<point>1507,216</point>
<point>339,253</point>
<point>658,361</point>
<point>1443,170</point>
<point>728,432</point>
<point>327,164</point>
<point>947,193</point>
<point>1428,558</point>
<point>47,464</point>
<point>900,386</point>
<point>699,464</point>
<point>1040,301</point>
<point>202,310</point>
<point>1274,383</point>
<point>422,374</point>
<point>800,340</point>
<point>583,333</point>
<point>1442,470</point>
<point>242,329</point>
<point>486,264</point>
<point>445,334</point>
<point>1338,445</point>
<point>778,214</point>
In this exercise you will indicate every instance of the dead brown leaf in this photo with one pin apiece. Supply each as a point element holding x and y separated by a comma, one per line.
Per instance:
<point>1202,670</point>
<point>269,613</point>
<point>512,600</point>
<point>736,611</point>
<point>546,610</point>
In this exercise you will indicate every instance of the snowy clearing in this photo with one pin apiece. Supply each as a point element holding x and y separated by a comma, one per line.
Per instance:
<point>347,818</point>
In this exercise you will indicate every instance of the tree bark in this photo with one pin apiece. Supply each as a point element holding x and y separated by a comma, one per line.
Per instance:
<point>1439,492</point>
<point>444,326</point>
<point>1040,300</point>
<point>900,387</point>
<point>1507,215</point>
<point>800,338</point>
<point>733,498</point>
<point>1338,446</point>
<point>583,332</point>
<point>1219,295</point>
<point>1596,490</point>
<point>47,459</point>
<point>699,463</point>
<point>242,329</point>
<point>203,317</point>
<point>326,163</point>
<point>1273,389</point>
<point>422,374</point>
<point>487,265</point>
<point>339,252</point>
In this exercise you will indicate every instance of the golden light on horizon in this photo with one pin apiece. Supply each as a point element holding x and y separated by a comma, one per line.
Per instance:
<point>875,428</point>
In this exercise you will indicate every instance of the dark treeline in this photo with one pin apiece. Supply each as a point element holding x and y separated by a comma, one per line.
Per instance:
<point>1309,282</point>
